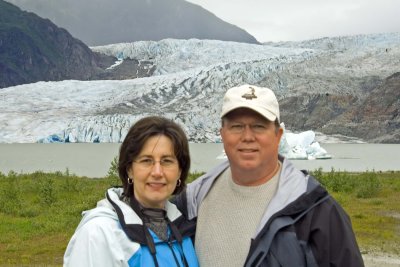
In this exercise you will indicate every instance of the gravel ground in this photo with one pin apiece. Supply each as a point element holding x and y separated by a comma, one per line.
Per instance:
<point>381,260</point>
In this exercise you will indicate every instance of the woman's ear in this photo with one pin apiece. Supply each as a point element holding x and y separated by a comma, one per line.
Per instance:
<point>129,172</point>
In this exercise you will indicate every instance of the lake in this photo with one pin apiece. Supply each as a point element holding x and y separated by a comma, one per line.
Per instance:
<point>93,160</point>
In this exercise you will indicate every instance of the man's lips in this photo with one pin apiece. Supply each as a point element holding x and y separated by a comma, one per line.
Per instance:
<point>247,150</point>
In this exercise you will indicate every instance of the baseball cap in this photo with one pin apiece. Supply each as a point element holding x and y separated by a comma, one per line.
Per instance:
<point>259,99</point>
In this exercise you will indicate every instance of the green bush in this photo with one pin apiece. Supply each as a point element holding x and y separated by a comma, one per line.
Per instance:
<point>10,196</point>
<point>47,191</point>
<point>363,185</point>
<point>335,181</point>
<point>113,170</point>
<point>368,185</point>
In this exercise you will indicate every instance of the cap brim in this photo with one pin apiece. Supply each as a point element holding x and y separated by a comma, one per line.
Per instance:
<point>263,112</point>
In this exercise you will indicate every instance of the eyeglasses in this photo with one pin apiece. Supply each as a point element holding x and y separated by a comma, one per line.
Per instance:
<point>147,162</point>
<point>238,128</point>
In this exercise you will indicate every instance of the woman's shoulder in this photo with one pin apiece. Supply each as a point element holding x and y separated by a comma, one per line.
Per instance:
<point>99,230</point>
<point>99,217</point>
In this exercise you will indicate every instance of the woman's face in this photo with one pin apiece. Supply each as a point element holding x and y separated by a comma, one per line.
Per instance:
<point>155,172</point>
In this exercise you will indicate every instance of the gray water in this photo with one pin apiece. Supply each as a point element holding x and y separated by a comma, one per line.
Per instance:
<point>93,160</point>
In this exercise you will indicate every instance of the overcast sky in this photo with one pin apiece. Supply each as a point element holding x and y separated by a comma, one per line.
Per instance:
<point>294,20</point>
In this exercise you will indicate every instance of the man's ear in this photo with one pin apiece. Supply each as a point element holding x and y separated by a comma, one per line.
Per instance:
<point>280,133</point>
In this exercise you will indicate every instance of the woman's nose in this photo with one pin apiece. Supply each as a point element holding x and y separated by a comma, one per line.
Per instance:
<point>156,169</point>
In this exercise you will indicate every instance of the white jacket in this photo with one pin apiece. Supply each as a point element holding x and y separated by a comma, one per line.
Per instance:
<point>101,240</point>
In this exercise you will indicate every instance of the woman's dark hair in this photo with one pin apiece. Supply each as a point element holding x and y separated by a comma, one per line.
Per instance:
<point>137,136</point>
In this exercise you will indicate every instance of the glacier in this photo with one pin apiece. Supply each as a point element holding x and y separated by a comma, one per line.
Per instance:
<point>187,86</point>
<point>191,77</point>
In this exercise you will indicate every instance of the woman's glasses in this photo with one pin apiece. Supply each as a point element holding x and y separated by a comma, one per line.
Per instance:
<point>148,162</point>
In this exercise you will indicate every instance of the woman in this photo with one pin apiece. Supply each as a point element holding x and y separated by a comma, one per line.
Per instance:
<point>136,225</point>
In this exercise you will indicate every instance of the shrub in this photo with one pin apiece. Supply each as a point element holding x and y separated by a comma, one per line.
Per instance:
<point>113,170</point>
<point>112,174</point>
<point>368,185</point>
<point>364,185</point>
<point>10,197</point>
<point>47,191</point>
<point>335,181</point>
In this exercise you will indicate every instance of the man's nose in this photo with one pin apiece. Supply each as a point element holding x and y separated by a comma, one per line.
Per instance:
<point>248,133</point>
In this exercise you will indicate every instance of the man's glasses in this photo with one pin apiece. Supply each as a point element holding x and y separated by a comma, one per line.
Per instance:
<point>147,162</point>
<point>238,128</point>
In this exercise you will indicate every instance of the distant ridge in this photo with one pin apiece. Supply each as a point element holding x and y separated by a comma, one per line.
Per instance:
<point>101,22</point>
<point>34,49</point>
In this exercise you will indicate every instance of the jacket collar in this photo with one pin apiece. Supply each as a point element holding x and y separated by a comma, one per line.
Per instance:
<point>131,222</point>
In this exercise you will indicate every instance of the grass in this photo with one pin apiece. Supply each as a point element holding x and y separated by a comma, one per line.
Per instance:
<point>40,211</point>
<point>372,200</point>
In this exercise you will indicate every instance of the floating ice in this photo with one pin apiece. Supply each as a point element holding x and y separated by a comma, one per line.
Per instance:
<point>301,146</point>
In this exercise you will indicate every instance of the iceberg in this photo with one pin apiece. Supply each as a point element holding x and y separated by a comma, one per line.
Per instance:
<point>301,146</point>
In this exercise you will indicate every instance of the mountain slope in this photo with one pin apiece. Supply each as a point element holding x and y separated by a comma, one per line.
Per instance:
<point>100,22</point>
<point>33,49</point>
<point>377,117</point>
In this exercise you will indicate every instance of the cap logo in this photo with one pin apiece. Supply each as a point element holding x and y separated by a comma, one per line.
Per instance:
<point>251,95</point>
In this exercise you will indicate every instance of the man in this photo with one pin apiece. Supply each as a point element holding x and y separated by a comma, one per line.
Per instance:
<point>257,209</point>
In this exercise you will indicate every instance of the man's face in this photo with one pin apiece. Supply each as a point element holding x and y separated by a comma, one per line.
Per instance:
<point>251,143</point>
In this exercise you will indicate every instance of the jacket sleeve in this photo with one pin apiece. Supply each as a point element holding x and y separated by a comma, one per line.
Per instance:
<point>332,238</point>
<point>95,244</point>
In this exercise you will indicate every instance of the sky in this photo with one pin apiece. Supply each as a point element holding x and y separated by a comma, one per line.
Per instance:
<point>296,20</point>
